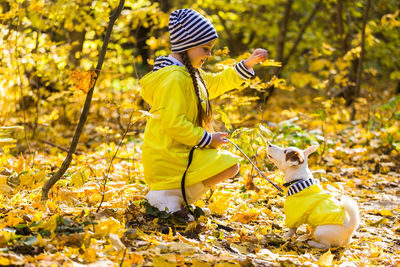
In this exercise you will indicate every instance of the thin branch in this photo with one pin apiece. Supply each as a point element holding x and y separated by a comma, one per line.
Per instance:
<point>281,43</point>
<point>130,124</point>
<point>301,33</point>
<point>59,147</point>
<point>227,30</point>
<point>280,47</point>
<point>67,161</point>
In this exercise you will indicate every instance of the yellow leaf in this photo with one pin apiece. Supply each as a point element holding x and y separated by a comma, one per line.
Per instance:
<point>83,80</point>
<point>271,63</point>
<point>5,236</point>
<point>241,249</point>
<point>77,179</point>
<point>301,79</point>
<point>7,141</point>
<point>326,259</point>
<point>40,175</point>
<point>40,242</point>
<point>317,65</point>
<point>91,252</point>
<point>3,179</point>
<point>327,49</point>
<point>12,220</point>
<point>226,120</point>
<point>384,212</point>
<point>226,264</point>
<point>198,263</point>
<point>25,179</point>
<point>5,188</point>
<point>245,217</point>
<point>108,226</point>
<point>20,164</point>
<point>51,206</point>
<point>11,259</point>
<point>50,224</point>
<point>220,204</point>
<point>136,259</point>
<point>375,252</point>
<point>160,261</point>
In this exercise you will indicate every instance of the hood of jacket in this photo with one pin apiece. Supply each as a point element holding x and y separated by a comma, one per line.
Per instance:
<point>164,68</point>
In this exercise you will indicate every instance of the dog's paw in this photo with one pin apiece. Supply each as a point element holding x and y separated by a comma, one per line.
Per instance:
<point>303,238</point>
<point>318,245</point>
<point>288,234</point>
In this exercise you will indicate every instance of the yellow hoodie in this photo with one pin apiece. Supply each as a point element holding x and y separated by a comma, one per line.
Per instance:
<point>312,206</point>
<point>173,131</point>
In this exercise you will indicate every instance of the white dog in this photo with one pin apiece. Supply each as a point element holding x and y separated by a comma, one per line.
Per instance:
<point>307,203</point>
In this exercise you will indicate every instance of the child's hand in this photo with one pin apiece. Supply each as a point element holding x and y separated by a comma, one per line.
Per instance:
<point>218,139</point>
<point>259,55</point>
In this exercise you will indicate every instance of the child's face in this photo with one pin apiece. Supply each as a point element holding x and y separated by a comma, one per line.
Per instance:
<point>199,54</point>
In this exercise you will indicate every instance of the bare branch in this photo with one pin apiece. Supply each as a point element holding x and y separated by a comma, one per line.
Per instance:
<point>67,161</point>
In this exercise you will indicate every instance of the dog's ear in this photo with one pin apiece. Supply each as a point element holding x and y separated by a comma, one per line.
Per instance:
<point>294,158</point>
<point>310,150</point>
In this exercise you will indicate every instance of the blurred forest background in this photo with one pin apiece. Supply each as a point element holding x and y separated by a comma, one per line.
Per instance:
<point>338,87</point>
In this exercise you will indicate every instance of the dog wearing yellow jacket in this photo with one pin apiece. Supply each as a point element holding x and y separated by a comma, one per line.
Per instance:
<point>306,202</point>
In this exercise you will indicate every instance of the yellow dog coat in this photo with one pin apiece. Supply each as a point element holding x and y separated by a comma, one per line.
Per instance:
<point>307,203</point>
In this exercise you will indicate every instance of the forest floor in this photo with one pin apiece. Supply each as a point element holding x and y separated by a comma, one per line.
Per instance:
<point>68,229</point>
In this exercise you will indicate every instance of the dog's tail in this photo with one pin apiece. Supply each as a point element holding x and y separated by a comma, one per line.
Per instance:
<point>351,208</point>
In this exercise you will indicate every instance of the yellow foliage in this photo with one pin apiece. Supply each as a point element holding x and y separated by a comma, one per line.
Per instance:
<point>5,188</point>
<point>50,224</point>
<point>301,79</point>
<point>326,259</point>
<point>247,216</point>
<point>92,251</point>
<point>384,212</point>
<point>78,179</point>
<point>318,65</point>
<point>271,63</point>
<point>108,226</point>
<point>220,203</point>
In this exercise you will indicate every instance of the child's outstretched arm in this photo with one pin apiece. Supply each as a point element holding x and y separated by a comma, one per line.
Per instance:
<point>231,78</point>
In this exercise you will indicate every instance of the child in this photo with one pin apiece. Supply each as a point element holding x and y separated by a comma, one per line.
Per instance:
<point>179,93</point>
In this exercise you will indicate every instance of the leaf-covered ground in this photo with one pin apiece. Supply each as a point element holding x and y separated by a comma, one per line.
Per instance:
<point>360,159</point>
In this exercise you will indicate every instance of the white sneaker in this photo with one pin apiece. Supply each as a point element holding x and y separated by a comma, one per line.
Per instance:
<point>165,200</point>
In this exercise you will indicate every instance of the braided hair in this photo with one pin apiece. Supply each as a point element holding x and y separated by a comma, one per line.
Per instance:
<point>203,118</point>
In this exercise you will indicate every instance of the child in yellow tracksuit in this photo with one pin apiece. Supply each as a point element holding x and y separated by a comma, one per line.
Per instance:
<point>179,93</point>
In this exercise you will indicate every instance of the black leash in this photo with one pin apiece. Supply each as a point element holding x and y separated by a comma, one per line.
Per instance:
<point>226,228</point>
<point>183,181</point>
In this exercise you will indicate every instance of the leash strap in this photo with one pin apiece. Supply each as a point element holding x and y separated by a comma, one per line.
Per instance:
<point>190,162</point>
<point>183,181</point>
<point>226,228</point>
<point>277,187</point>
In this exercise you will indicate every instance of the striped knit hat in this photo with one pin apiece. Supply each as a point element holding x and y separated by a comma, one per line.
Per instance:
<point>188,28</point>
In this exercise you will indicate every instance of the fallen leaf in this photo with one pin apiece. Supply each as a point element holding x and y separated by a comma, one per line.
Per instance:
<point>326,259</point>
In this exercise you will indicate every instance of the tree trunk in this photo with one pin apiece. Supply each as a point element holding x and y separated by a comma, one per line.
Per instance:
<point>76,39</point>
<point>67,161</point>
<point>282,32</point>
<point>281,41</point>
<point>301,33</point>
<point>360,60</point>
